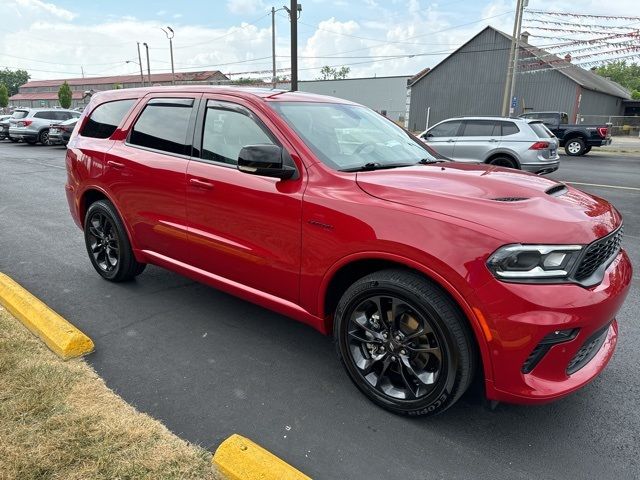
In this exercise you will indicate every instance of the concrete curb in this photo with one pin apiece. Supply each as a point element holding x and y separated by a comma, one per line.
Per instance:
<point>238,458</point>
<point>59,335</point>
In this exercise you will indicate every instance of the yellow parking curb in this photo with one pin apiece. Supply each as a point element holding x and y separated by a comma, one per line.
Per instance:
<point>240,459</point>
<point>64,339</point>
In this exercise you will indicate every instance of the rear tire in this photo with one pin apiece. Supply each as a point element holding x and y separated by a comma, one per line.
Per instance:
<point>14,140</point>
<point>108,245</point>
<point>503,161</point>
<point>404,343</point>
<point>575,147</point>
<point>30,141</point>
<point>43,138</point>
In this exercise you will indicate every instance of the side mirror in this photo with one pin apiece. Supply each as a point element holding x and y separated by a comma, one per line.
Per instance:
<point>266,161</point>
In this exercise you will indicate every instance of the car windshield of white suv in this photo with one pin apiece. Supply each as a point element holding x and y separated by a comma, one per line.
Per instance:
<point>351,137</point>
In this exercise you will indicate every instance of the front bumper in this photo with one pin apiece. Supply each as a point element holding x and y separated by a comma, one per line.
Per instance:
<point>519,316</point>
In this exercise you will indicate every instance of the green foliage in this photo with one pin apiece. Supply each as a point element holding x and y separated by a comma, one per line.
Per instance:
<point>635,94</point>
<point>117,86</point>
<point>627,75</point>
<point>246,81</point>
<point>13,79</point>
<point>329,73</point>
<point>4,95</point>
<point>64,95</point>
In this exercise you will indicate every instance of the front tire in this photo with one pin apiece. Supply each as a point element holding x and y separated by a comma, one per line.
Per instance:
<point>107,244</point>
<point>575,147</point>
<point>404,343</point>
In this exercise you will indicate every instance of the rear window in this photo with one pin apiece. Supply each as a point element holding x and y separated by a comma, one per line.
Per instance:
<point>104,120</point>
<point>541,130</point>
<point>20,114</point>
<point>163,125</point>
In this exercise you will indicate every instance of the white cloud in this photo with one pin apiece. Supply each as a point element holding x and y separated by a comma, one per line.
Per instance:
<point>161,12</point>
<point>240,7</point>
<point>40,7</point>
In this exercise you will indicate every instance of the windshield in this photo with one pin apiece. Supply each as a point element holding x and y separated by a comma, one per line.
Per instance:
<point>348,137</point>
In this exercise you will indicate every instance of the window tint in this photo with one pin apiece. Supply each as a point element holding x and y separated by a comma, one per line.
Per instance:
<point>163,125</point>
<point>20,114</point>
<point>48,115</point>
<point>446,129</point>
<point>541,130</point>
<point>105,119</point>
<point>226,132</point>
<point>509,128</point>
<point>481,128</point>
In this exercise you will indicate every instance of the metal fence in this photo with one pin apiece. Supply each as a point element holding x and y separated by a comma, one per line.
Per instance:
<point>620,126</point>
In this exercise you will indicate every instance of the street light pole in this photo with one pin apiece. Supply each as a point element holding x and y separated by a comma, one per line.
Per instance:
<point>170,34</point>
<point>140,65</point>
<point>148,63</point>
<point>512,62</point>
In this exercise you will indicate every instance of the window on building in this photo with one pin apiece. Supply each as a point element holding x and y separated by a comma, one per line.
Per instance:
<point>105,119</point>
<point>163,125</point>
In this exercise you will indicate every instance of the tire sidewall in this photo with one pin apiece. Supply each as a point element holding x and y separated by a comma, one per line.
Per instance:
<point>578,141</point>
<point>443,395</point>
<point>123,244</point>
<point>512,163</point>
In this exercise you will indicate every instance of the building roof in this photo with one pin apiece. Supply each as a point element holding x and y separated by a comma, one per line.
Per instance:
<point>201,76</point>
<point>44,96</point>
<point>585,78</point>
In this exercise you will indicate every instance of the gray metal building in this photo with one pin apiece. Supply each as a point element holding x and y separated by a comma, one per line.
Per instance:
<point>471,81</point>
<point>387,95</point>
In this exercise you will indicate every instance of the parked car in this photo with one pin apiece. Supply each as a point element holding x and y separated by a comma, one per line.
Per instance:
<point>59,133</point>
<point>427,273</point>
<point>576,139</point>
<point>5,123</point>
<point>32,125</point>
<point>505,142</point>
<point>4,132</point>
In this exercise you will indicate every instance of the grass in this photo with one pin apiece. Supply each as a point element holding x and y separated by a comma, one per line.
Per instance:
<point>58,420</point>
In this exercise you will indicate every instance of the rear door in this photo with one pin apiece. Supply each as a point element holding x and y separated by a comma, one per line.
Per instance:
<point>146,173</point>
<point>442,137</point>
<point>477,140</point>
<point>242,227</point>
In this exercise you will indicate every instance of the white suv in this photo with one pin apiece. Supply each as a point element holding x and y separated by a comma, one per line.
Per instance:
<point>32,125</point>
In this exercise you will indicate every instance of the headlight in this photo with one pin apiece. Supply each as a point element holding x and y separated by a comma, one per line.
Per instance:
<point>533,262</point>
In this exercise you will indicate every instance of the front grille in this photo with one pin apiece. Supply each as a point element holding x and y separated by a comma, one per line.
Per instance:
<point>588,350</point>
<point>598,253</point>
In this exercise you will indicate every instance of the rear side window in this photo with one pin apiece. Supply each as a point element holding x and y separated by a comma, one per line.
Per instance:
<point>163,125</point>
<point>541,130</point>
<point>104,120</point>
<point>46,115</point>
<point>446,129</point>
<point>481,128</point>
<point>509,128</point>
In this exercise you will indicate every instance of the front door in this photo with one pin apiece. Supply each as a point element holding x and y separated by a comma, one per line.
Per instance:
<point>477,139</point>
<point>242,227</point>
<point>442,137</point>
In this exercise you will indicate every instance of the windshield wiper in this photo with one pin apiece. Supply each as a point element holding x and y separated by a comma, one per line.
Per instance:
<point>429,161</point>
<point>367,167</point>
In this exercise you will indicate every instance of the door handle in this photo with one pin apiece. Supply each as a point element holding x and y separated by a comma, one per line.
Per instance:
<point>201,183</point>
<point>493,140</point>
<point>451,140</point>
<point>117,165</point>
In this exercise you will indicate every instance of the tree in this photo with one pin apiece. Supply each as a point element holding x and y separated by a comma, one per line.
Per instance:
<point>329,73</point>
<point>626,75</point>
<point>4,95</point>
<point>65,95</point>
<point>13,79</point>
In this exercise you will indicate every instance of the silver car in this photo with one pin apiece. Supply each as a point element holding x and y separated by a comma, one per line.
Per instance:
<point>32,124</point>
<point>507,142</point>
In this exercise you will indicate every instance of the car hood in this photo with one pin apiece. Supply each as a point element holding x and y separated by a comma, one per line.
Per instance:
<point>525,207</point>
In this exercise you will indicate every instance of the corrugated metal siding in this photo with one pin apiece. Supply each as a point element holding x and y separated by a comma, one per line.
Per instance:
<point>379,93</point>
<point>471,82</point>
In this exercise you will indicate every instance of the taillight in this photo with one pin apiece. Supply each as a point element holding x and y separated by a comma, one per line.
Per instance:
<point>539,146</point>
<point>603,131</point>
<point>25,123</point>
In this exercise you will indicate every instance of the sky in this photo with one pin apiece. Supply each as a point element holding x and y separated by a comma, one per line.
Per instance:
<point>63,38</point>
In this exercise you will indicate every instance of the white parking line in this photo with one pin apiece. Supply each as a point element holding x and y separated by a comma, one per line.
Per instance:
<point>604,186</point>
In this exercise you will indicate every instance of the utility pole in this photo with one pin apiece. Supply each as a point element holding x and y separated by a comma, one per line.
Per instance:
<point>82,70</point>
<point>273,45</point>
<point>509,85</point>
<point>293,15</point>
<point>170,34</point>
<point>140,65</point>
<point>148,63</point>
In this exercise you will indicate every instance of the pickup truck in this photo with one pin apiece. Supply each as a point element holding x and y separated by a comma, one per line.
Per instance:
<point>576,139</point>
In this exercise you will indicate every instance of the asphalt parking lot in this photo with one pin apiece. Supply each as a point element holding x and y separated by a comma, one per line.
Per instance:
<point>208,364</point>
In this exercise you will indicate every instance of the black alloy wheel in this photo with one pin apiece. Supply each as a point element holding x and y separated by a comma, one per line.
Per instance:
<point>44,137</point>
<point>404,343</point>
<point>107,243</point>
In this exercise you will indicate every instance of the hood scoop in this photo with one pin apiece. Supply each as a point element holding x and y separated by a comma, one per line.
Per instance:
<point>509,199</point>
<point>557,190</point>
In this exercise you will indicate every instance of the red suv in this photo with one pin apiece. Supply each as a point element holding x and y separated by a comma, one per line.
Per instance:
<point>427,273</point>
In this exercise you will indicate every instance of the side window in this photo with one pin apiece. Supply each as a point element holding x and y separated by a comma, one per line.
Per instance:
<point>481,128</point>
<point>163,125</point>
<point>446,129</point>
<point>226,131</point>
<point>509,128</point>
<point>64,116</point>
<point>104,120</point>
<point>45,115</point>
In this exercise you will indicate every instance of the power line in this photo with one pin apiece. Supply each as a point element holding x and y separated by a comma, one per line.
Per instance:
<point>567,14</point>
